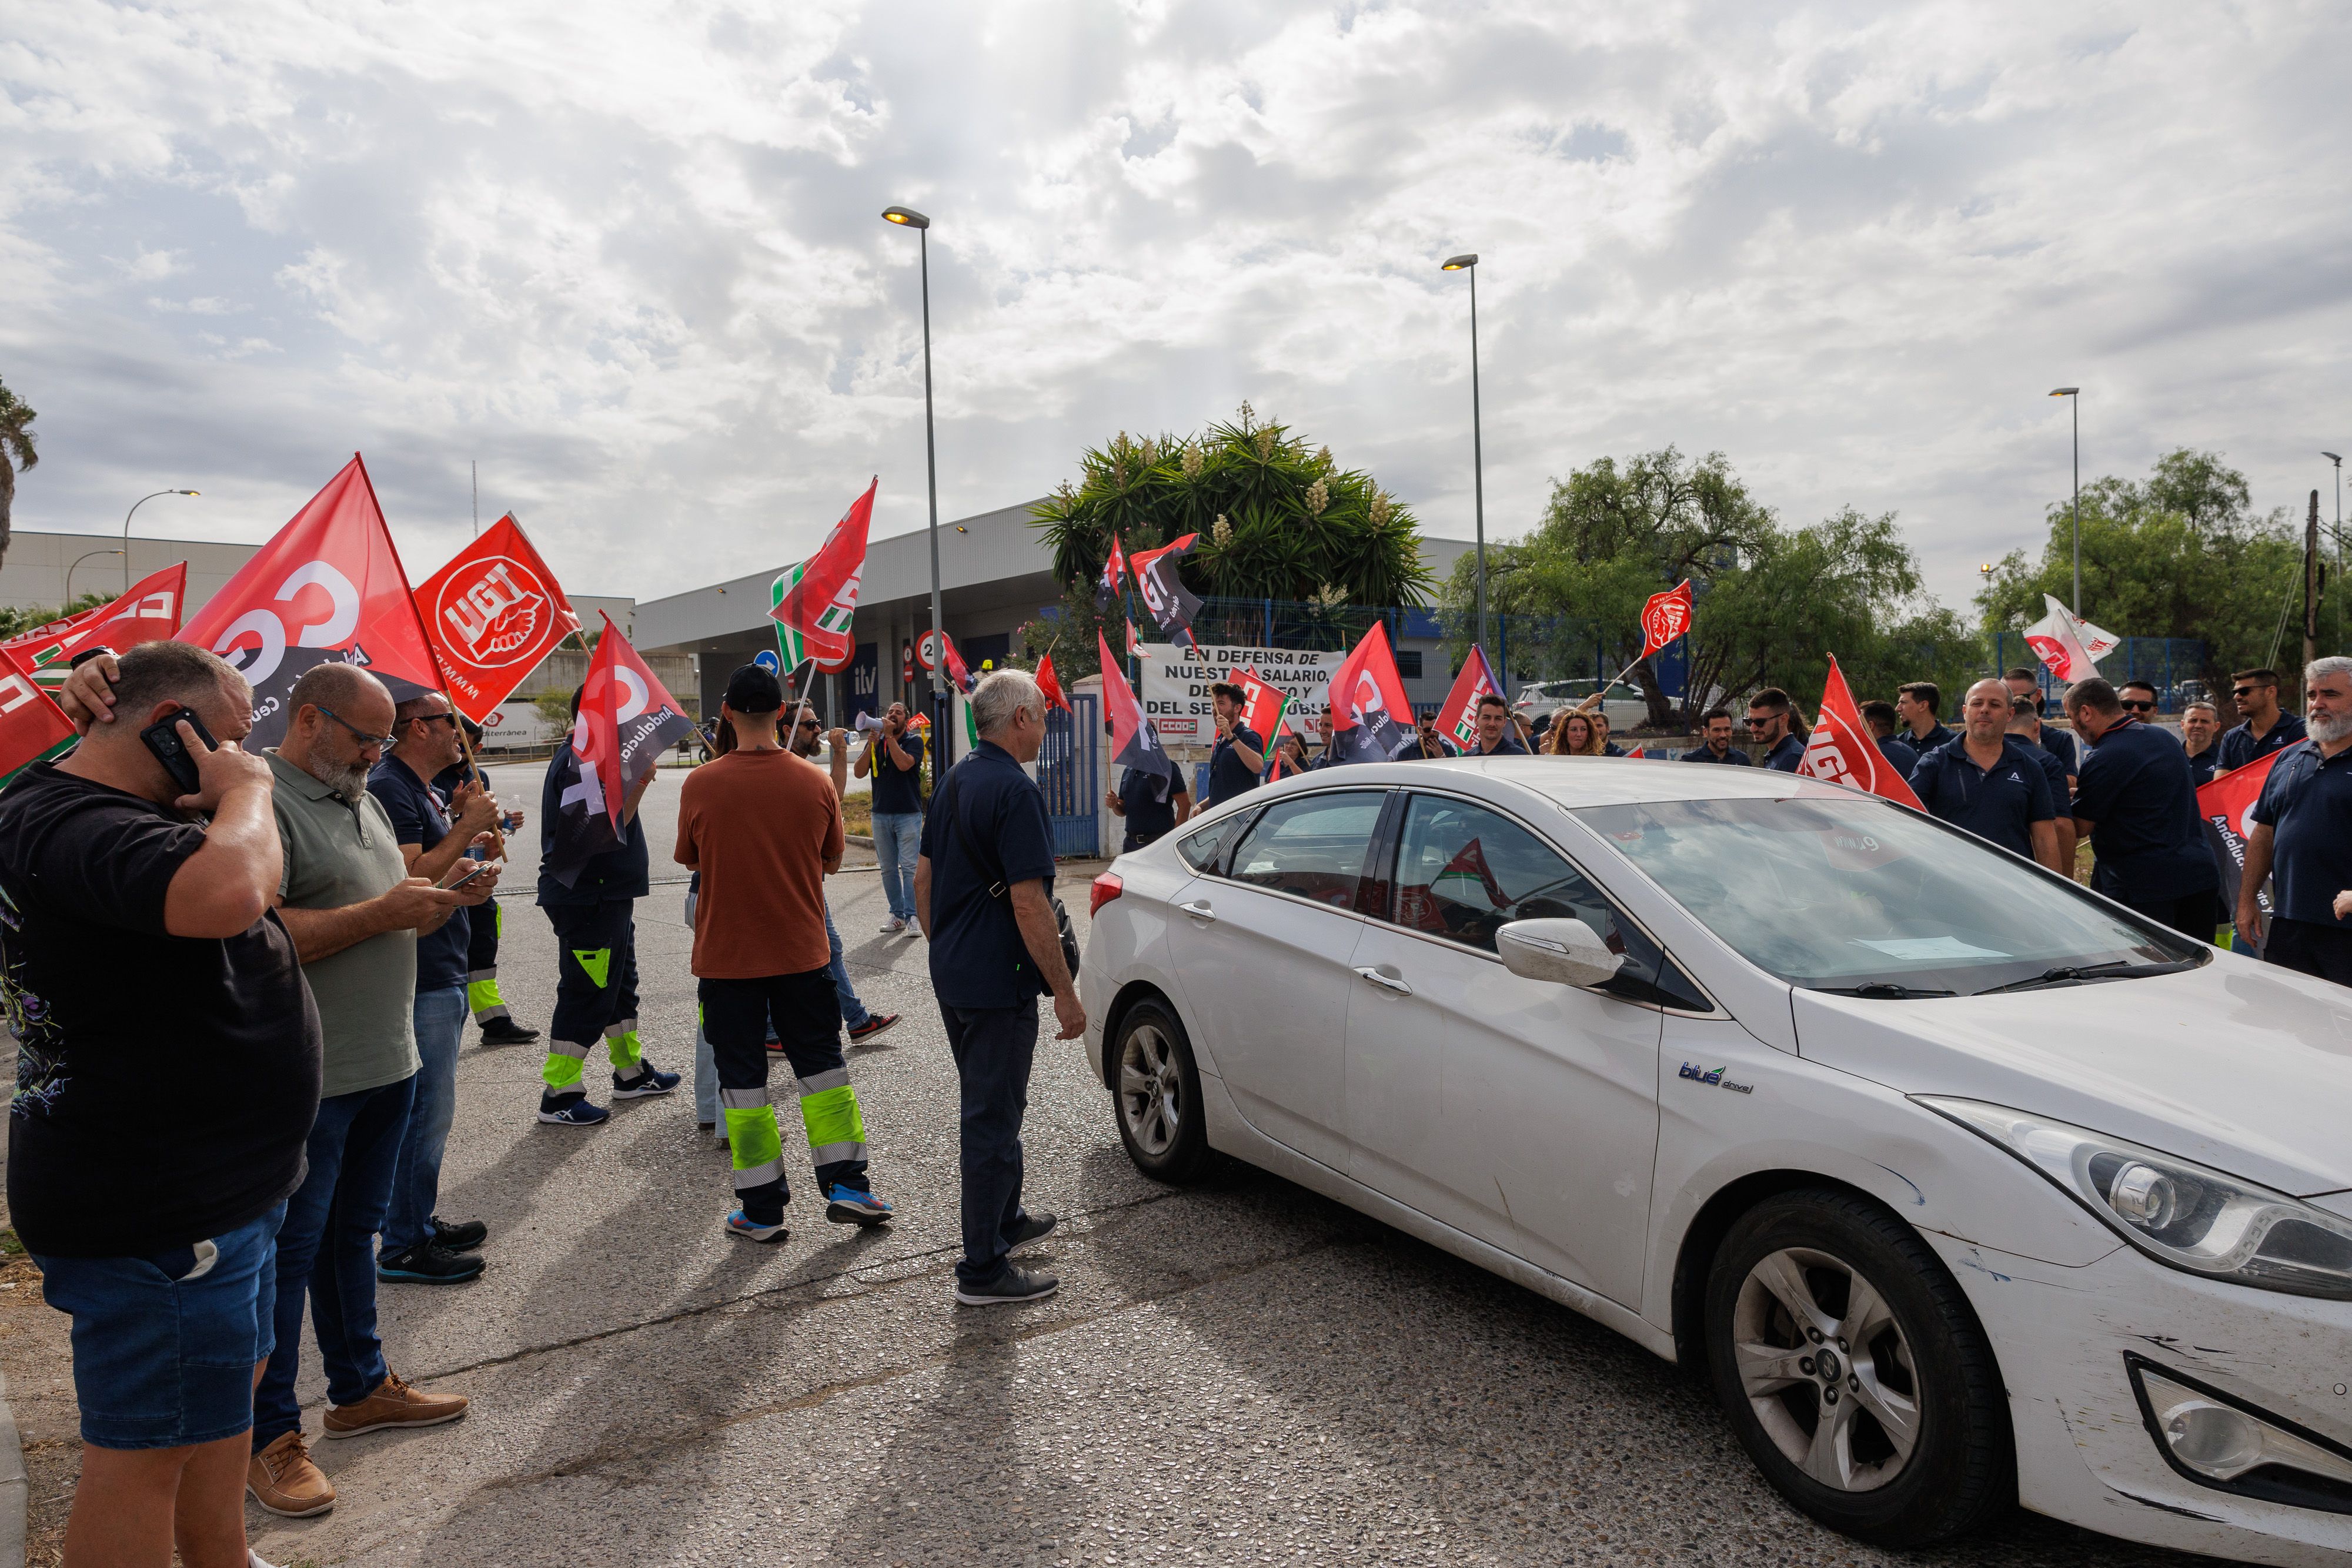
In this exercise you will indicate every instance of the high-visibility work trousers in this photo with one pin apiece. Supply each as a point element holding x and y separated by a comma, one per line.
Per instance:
<point>736,1015</point>
<point>482,998</point>
<point>595,992</point>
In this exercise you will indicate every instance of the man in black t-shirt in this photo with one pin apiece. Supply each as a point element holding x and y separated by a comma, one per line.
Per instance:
<point>168,1069</point>
<point>1153,805</point>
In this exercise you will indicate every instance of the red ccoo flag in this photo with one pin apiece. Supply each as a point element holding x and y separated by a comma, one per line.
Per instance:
<point>1372,717</point>
<point>32,726</point>
<point>149,612</point>
<point>1665,617</point>
<point>627,720</point>
<point>327,587</point>
<point>492,613</point>
<point>1050,683</point>
<point>1842,751</point>
<point>1106,585</point>
<point>1134,743</point>
<point>1457,716</point>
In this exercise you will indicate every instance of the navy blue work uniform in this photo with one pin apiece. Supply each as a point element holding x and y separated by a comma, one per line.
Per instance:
<point>1940,733</point>
<point>1418,751</point>
<point>1612,749</point>
<point>1229,775</point>
<point>1999,804</point>
<point>1328,757</point>
<point>987,984</point>
<point>2060,743</point>
<point>486,924</point>
<point>1149,801</point>
<point>899,791</point>
<point>1509,746</point>
<point>1732,757</point>
<point>2306,802</point>
<point>1902,754</point>
<point>1784,757</point>
<point>595,944</point>
<point>2239,745</point>
<point>2054,772</point>
<point>2201,764</point>
<point>2135,792</point>
<point>420,816</point>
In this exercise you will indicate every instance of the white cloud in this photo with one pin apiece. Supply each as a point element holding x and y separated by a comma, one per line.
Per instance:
<point>629,256</point>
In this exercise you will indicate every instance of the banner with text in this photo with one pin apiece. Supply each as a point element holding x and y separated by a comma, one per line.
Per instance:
<point>1176,682</point>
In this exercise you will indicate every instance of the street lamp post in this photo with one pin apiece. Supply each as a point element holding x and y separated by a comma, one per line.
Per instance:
<point>2338,461</point>
<point>907,217</point>
<point>1468,262</point>
<point>2076,394</point>
<point>126,529</point>
<point>76,561</point>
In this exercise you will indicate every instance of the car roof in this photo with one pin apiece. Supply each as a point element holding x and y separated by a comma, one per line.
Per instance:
<point>1572,782</point>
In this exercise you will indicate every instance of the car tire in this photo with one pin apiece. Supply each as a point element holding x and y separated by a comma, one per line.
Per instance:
<point>1156,1094</point>
<point>1922,1363</point>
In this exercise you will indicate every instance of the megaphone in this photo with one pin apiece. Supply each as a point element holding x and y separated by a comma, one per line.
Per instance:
<point>867,721</point>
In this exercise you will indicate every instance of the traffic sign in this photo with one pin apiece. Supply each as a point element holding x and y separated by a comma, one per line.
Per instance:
<point>766,659</point>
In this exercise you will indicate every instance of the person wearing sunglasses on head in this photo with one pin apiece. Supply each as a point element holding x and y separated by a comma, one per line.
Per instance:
<point>2263,726</point>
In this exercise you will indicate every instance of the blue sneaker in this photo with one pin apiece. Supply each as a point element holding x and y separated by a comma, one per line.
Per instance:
<point>741,1224</point>
<point>847,1206</point>
<point>651,1082</point>
<point>574,1112</point>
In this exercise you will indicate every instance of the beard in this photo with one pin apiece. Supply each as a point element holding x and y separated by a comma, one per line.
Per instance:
<point>2328,731</point>
<point>348,779</point>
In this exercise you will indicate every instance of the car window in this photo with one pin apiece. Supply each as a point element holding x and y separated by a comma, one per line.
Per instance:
<point>1311,845</point>
<point>1200,851</point>
<point>1464,872</point>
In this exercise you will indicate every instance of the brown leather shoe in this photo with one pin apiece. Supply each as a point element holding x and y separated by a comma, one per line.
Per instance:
<point>394,1404</point>
<point>282,1479</point>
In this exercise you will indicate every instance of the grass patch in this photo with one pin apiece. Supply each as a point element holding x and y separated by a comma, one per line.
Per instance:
<point>857,815</point>
<point>9,1246</point>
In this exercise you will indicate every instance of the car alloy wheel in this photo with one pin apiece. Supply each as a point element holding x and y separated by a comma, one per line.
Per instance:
<point>1152,1099</point>
<point>1826,1369</point>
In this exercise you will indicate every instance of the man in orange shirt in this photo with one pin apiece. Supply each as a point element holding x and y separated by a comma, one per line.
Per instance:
<point>764,830</point>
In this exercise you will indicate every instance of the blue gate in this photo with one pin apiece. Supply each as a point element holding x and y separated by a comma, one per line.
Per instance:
<point>1067,774</point>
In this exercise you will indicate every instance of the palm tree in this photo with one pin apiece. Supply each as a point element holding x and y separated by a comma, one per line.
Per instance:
<point>16,451</point>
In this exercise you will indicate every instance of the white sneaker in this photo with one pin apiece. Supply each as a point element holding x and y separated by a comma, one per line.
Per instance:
<point>915,928</point>
<point>892,926</point>
<point>253,1559</point>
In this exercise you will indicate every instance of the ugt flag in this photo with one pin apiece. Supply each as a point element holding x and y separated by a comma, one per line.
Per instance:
<point>2224,806</point>
<point>1457,718</point>
<point>492,614</point>
<point>1372,717</point>
<point>2071,648</point>
<point>628,719</point>
<point>1050,683</point>
<point>1843,749</point>
<point>328,586</point>
<point>1171,605</point>
<point>814,604</point>
<point>1134,743</point>
<point>1665,617</point>
<point>149,612</point>
<point>32,726</point>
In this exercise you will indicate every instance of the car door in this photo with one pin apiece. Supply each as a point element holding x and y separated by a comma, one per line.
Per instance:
<point>1523,1112</point>
<point>1261,951</point>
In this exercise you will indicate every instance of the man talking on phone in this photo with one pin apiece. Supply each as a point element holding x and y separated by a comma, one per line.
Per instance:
<point>166,1257</point>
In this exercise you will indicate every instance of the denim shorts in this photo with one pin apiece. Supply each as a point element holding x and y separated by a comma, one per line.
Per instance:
<point>164,1345</point>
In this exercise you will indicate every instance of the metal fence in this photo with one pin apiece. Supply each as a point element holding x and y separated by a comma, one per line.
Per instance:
<point>1068,773</point>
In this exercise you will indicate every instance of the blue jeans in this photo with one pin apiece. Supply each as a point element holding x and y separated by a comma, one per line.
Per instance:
<point>896,837</point>
<point>416,1182</point>
<point>326,1247</point>
<point>852,1011</point>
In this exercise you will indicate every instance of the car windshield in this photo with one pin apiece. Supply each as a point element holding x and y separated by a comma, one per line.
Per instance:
<point>1852,894</point>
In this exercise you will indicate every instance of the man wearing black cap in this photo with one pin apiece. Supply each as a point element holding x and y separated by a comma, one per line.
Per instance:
<point>763,831</point>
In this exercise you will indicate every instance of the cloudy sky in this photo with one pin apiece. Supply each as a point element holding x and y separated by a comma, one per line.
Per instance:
<point>627,254</point>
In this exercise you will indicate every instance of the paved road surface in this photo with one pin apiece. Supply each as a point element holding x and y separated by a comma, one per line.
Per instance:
<point>1244,1372</point>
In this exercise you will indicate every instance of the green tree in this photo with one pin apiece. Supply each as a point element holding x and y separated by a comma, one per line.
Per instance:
<point>16,622</point>
<point>16,451</point>
<point>1275,520</point>
<point>2181,553</point>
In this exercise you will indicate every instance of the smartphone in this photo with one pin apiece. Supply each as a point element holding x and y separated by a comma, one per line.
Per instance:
<point>479,867</point>
<point>162,738</point>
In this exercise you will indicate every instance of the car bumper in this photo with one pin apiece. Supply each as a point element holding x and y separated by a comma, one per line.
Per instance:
<point>2068,1339</point>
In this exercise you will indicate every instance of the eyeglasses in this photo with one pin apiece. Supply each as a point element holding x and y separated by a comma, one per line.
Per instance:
<point>2242,693</point>
<point>810,724</point>
<point>2135,705</point>
<point>363,737</point>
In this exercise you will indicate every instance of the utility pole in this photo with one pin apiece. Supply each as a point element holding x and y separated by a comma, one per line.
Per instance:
<point>474,467</point>
<point>2310,586</point>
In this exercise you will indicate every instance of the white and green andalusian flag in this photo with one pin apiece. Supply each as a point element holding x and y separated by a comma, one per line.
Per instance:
<point>814,602</point>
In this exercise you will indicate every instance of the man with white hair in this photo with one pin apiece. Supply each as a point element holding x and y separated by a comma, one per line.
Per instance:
<point>983,889</point>
<point>2302,836</point>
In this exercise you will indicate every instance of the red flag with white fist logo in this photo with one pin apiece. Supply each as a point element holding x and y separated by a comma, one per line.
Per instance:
<point>493,613</point>
<point>1843,749</point>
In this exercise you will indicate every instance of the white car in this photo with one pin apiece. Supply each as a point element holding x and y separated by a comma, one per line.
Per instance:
<point>1624,704</point>
<point>1961,1185</point>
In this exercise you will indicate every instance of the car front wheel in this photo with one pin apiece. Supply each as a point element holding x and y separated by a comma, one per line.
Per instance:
<point>1159,1094</point>
<point>1855,1373</point>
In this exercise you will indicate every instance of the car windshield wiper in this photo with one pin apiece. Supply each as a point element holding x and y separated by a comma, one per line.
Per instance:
<point>1883,990</point>
<point>2067,974</point>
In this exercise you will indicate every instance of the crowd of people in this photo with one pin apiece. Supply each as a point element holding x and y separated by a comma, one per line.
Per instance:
<point>321,916</point>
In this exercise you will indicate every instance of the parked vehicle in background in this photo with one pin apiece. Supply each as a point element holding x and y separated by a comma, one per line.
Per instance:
<point>1624,704</point>
<point>1925,1158</point>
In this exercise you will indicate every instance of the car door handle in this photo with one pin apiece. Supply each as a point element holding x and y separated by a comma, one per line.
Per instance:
<point>1389,982</point>
<point>1198,911</point>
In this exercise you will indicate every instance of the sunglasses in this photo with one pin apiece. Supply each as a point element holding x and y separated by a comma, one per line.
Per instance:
<point>810,724</point>
<point>363,737</point>
<point>2134,705</point>
<point>2242,693</point>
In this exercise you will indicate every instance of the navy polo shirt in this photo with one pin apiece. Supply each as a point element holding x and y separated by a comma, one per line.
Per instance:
<point>1328,757</point>
<point>1901,753</point>
<point>2060,743</point>
<point>2054,772</point>
<point>1509,746</point>
<point>1999,804</point>
<point>1228,775</point>
<point>1941,735</point>
<point>2202,763</point>
<point>2136,791</point>
<point>2239,745</point>
<point>1149,799</point>
<point>2307,802</point>
<point>978,959</point>
<point>1612,749</point>
<point>1784,757</point>
<point>1734,758</point>
<point>898,791</point>
<point>420,816</point>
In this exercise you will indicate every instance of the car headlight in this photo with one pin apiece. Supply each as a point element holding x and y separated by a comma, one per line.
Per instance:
<point>2175,1210</point>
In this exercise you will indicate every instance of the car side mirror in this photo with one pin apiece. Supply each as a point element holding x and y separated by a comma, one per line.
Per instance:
<point>1564,951</point>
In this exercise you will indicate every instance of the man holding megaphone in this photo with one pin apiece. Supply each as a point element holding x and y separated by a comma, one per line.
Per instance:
<point>892,759</point>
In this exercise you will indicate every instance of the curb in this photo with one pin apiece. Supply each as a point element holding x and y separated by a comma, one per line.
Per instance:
<point>859,840</point>
<point>15,1487</point>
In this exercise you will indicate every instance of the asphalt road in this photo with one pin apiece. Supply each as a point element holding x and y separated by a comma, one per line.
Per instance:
<point>1240,1373</point>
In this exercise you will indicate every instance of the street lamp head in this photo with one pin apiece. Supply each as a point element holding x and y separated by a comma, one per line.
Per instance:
<point>906,217</point>
<point>187,492</point>
<point>2333,458</point>
<point>1462,262</point>
<point>2065,392</point>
